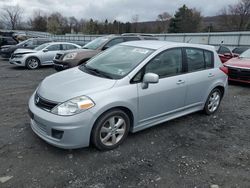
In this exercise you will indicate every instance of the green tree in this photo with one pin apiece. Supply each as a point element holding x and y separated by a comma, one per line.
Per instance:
<point>185,20</point>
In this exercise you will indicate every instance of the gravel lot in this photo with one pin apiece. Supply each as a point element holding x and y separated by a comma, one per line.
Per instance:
<point>192,151</point>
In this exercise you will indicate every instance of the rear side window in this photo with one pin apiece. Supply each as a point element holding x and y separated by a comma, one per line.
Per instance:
<point>39,42</point>
<point>198,59</point>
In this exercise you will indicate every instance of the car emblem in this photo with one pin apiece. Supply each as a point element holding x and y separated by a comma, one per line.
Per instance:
<point>37,100</point>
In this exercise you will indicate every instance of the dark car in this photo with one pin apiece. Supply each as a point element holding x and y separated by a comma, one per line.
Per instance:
<point>32,43</point>
<point>7,41</point>
<point>76,57</point>
<point>239,50</point>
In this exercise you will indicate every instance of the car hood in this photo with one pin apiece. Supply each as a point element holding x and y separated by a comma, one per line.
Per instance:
<point>7,46</point>
<point>238,62</point>
<point>24,51</point>
<point>71,83</point>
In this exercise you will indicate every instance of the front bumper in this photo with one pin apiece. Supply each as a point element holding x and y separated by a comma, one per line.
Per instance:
<point>75,130</point>
<point>17,61</point>
<point>60,66</point>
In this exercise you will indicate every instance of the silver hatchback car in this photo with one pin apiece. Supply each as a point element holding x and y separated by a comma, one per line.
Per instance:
<point>129,87</point>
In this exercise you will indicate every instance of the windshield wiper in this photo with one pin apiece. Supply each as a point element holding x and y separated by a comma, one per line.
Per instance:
<point>97,72</point>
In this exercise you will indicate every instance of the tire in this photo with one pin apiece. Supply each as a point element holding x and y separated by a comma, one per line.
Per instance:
<point>32,63</point>
<point>213,102</point>
<point>110,130</point>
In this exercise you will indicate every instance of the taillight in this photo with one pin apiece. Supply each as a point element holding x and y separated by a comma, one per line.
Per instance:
<point>224,69</point>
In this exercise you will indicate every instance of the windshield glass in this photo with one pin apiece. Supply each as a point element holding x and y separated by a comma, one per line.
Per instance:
<point>96,43</point>
<point>41,47</point>
<point>24,42</point>
<point>245,54</point>
<point>117,61</point>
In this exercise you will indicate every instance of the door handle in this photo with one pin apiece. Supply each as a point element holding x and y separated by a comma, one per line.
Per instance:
<point>180,82</point>
<point>210,75</point>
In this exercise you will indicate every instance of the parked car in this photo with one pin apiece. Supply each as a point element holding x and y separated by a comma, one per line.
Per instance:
<point>32,43</point>
<point>127,88</point>
<point>7,41</point>
<point>239,68</point>
<point>41,55</point>
<point>239,50</point>
<point>225,54</point>
<point>74,58</point>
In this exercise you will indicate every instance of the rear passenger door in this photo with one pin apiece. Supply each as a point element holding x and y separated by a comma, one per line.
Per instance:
<point>167,96</point>
<point>200,74</point>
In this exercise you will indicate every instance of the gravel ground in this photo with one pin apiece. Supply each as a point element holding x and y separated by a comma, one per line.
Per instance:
<point>192,151</point>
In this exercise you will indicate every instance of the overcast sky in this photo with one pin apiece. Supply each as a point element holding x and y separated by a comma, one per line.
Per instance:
<point>121,10</point>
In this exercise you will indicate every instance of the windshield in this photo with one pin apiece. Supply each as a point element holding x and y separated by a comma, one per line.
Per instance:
<point>96,43</point>
<point>24,42</point>
<point>117,61</point>
<point>41,47</point>
<point>245,54</point>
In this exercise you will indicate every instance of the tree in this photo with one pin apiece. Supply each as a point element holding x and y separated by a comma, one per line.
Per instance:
<point>73,24</point>
<point>12,16</point>
<point>163,18</point>
<point>236,17</point>
<point>135,19</point>
<point>39,21</point>
<point>57,24</point>
<point>185,20</point>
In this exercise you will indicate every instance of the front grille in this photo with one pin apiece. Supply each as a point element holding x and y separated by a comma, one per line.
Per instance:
<point>58,56</point>
<point>239,73</point>
<point>44,104</point>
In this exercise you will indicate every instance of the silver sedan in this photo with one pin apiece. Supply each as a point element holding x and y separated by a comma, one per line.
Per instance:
<point>42,55</point>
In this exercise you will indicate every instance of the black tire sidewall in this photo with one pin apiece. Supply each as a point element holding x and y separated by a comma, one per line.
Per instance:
<point>206,110</point>
<point>95,135</point>
<point>27,63</point>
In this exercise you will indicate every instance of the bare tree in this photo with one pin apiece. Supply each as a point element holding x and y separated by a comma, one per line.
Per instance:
<point>12,16</point>
<point>163,18</point>
<point>236,17</point>
<point>39,21</point>
<point>135,19</point>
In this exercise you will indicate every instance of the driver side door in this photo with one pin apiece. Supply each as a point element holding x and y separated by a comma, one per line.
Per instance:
<point>165,98</point>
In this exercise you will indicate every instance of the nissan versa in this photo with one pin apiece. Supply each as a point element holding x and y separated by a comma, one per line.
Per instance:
<point>127,88</point>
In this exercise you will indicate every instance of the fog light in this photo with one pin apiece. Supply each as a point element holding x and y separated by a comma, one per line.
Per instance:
<point>57,134</point>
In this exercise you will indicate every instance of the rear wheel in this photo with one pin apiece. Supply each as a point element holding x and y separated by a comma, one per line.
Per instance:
<point>32,63</point>
<point>110,130</point>
<point>213,101</point>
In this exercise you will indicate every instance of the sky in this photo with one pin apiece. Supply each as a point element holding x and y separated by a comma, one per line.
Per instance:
<point>120,10</point>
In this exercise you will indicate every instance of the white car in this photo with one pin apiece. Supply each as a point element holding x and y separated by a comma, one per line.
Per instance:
<point>41,55</point>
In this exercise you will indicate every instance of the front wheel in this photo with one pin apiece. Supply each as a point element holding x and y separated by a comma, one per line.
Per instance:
<point>213,101</point>
<point>32,63</point>
<point>110,130</point>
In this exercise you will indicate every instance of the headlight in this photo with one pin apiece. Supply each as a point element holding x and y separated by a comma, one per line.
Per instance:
<point>73,106</point>
<point>18,56</point>
<point>69,56</point>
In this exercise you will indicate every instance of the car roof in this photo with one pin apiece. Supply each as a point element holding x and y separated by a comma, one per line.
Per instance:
<point>50,43</point>
<point>155,44</point>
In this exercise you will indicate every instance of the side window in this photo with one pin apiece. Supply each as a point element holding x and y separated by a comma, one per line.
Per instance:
<point>54,47</point>
<point>68,47</point>
<point>29,43</point>
<point>195,59</point>
<point>39,42</point>
<point>209,59</point>
<point>114,42</point>
<point>168,63</point>
<point>223,50</point>
<point>131,38</point>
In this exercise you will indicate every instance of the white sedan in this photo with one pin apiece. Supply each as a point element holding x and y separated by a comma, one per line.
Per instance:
<point>41,55</point>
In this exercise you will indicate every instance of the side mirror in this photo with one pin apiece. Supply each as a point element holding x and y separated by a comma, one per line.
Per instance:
<point>25,45</point>
<point>45,50</point>
<point>149,78</point>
